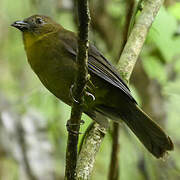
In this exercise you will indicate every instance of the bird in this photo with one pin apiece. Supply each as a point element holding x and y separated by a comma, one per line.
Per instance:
<point>51,52</point>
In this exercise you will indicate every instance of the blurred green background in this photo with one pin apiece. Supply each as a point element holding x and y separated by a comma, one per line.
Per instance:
<point>155,83</point>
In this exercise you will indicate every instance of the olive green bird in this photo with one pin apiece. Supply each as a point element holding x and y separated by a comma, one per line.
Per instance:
<point>51,51</point>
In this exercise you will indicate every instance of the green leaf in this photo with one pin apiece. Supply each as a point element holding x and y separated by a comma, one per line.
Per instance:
<point>161,34</point>
<point>155,69</point>
<point>175,9</point>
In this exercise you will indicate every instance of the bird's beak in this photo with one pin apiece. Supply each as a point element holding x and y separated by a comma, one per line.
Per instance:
<point>21,25</point>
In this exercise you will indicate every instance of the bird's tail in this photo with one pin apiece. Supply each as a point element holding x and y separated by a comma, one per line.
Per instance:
<point>147,131</point>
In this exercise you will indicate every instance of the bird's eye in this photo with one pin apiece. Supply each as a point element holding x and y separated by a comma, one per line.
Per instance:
<point>39,20</point>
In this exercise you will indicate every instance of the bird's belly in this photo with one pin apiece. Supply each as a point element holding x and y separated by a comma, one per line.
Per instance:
<point>57,78</point>
<point>58,85</point>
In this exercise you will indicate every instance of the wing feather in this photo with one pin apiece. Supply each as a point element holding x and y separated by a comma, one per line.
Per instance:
<point>99,65</point>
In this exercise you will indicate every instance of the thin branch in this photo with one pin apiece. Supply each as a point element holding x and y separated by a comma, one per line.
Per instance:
<point>127,62</point>
<point>137,37</point>
<point>114,164</point>
<point>129,15</point>
<point>91,144</point>
<point>79,85</point>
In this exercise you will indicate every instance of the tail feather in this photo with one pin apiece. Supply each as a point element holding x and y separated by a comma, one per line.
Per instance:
<point>148,132</point>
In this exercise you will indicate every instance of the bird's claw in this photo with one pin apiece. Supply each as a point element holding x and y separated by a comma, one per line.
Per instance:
<point>87,93</point>
<point>71,93</point>
<point>91,95</point>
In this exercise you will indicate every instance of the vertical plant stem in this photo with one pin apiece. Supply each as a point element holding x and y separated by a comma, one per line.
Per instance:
<point>137,37</point>
<point>86,159</point>
<point>129,13</point>
<point>114,164</point>
<point>79,86</point>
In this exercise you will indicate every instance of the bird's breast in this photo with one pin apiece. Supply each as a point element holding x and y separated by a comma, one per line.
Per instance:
<point>54,70</point>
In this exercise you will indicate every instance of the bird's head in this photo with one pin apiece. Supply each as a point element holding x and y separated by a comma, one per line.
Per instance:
<point>36,25</point>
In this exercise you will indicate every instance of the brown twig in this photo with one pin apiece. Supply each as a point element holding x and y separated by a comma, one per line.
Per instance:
<point>137,37</point>
<point>114,164</point>
<point>129,10</point>
<point>79,85</point>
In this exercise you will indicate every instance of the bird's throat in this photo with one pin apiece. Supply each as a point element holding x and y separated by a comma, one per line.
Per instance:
<point>30,38</point>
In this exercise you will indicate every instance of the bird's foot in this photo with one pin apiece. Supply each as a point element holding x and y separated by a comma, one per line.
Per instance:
<point>91,95</point>
<point>71,94</point>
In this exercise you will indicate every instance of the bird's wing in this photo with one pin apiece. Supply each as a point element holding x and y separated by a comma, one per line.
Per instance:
<point>100,66</point>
